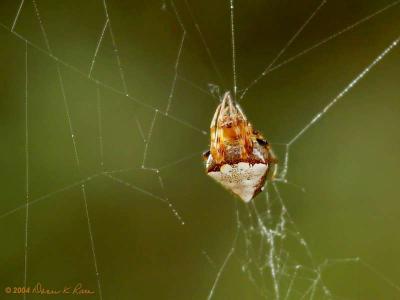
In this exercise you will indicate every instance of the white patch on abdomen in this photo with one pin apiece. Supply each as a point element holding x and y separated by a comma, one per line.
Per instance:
<point>243,178</point>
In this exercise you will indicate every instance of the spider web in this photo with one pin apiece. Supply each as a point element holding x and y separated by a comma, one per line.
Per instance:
<point>95,129</point>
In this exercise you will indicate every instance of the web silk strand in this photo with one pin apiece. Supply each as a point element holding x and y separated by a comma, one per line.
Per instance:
<point>232,10</point>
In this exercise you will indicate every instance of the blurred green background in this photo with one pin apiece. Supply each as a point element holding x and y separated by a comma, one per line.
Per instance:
<point>348,162</point>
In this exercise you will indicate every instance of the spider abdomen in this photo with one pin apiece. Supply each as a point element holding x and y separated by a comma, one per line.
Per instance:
<point>243,179</point>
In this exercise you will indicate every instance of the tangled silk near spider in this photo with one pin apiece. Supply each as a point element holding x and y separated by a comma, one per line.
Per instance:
<point>239,158</point>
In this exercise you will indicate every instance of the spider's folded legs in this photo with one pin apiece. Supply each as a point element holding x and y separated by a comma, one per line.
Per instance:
<point>214,132</point>
<point>216,140</point>
<point>215,117</point>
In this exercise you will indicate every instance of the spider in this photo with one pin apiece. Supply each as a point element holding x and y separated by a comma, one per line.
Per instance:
<point>239,158</point>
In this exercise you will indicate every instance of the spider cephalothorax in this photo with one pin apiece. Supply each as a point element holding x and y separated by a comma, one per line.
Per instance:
<point>239,157</point>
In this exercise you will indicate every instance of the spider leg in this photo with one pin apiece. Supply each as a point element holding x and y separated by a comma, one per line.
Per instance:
<point>246,134</point>
<point>214,133</point>
<point>239,109</point>
<point>237,122</point>
<point>273,164</point>
<point>215,117</point>
<point>218,147</point>
<point>206,154</point>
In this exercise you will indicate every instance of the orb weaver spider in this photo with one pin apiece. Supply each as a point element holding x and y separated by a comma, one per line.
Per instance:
<point>239,158</point>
